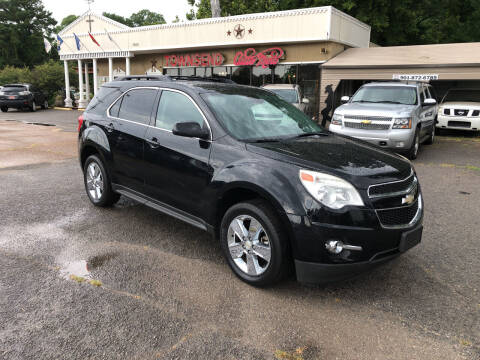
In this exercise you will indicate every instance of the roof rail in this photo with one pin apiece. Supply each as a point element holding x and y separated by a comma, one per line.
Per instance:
<point>145,77</point>
<point>175,78</point>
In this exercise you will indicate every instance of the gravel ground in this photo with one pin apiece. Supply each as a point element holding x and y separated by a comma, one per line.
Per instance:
<point>166,293</point>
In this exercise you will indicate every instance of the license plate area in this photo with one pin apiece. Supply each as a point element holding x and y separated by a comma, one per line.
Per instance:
<point>12,97</point>
<point>410,239</point>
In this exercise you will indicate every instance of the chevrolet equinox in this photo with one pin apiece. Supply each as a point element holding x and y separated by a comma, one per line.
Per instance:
<point>274,187</point>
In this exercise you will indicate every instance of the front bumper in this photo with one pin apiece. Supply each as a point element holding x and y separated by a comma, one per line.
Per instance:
<point>15,104</point>
<point>395,139</point>
<point>443,122</point>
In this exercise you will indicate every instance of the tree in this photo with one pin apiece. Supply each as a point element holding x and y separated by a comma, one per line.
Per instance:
<point>393,22</point>
<point>23,24</point>
<point>146,17</point>
<point>142,18</point>
<point>65,22</point>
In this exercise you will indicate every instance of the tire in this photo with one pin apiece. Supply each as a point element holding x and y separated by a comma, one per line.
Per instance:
<point>431,137</point>
<point>413,151</point>
<point>265,236</point>
<point>45,105</point>
<point>33,108</point>
<point>4,109</point>
<point>97,183</point>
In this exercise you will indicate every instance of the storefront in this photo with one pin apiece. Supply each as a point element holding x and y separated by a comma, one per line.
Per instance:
<point>285,47</point>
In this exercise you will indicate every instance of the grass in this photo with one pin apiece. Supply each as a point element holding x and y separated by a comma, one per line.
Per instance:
<point>294,355</point>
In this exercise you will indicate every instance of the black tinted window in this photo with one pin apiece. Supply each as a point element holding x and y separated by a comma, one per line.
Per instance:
<point>115,108</point>
<point>175,107</point>
<point>137,105</point>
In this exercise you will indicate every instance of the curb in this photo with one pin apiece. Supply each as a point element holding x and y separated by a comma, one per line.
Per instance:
<point>62,108</point>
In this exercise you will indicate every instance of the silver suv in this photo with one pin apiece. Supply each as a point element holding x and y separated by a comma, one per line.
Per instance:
<point>394,115</point>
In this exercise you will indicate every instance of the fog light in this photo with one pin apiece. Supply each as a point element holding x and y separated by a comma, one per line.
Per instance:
<point>400,144</point>
<point>334,246</point>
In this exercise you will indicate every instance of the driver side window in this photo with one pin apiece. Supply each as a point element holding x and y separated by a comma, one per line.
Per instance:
<point>175,107</point>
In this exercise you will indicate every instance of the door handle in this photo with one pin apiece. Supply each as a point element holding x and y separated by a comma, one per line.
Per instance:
<point>153,142</point>
<point>110,127</point>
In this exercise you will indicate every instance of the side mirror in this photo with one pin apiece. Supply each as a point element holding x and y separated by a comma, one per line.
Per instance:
<point>345,99</point>
<point>190,129</point>
<point>429,102</point>
<point>305,101</point>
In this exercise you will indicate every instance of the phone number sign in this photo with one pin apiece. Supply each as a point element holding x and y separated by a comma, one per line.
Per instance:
<point>415,77</point>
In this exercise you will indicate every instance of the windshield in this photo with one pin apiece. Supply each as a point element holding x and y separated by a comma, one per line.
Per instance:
<point>462,96</point>
<point>289,95</point>
<point>387,94</point>
<point>251,114</point>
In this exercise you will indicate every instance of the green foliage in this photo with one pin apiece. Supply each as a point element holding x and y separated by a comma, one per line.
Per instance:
<point>393,22</point>
<point>65,22</point>
<point>12,75</point>
<point>142,18</point>
<point>22,25</point>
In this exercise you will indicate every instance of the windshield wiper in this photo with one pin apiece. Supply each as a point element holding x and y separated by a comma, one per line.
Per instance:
<point>262,140</point>
<point>319,133</point>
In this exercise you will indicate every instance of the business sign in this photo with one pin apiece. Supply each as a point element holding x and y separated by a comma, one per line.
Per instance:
<point>415,77</point>
<point>265,58</point>
<point>198,59</point>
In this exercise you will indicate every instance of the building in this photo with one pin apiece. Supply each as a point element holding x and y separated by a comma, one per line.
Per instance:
<point>254,49</point>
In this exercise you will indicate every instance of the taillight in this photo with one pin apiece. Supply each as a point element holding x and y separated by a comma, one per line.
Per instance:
<point>80,122</point>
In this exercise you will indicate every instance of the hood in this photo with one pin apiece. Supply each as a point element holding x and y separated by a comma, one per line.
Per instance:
<point>372,109</point>
<point>353,160</point>
<point>464,104</point>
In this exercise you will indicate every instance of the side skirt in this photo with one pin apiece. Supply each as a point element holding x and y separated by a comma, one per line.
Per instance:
<point>164,208</point>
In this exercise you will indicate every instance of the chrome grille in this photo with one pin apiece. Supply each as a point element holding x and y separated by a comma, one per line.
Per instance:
<point>367,117</point>
<point>400,216</point>
<point>393,188</point>
<point>461,112</point>
<point>369,126</point>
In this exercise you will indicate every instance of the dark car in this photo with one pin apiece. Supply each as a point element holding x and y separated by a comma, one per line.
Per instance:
<point>22,96</point>
<point>241,163</point>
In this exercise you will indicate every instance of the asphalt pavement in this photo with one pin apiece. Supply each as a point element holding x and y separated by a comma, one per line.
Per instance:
<point>78,282</point>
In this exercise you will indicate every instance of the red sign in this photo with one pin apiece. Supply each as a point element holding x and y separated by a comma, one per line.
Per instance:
<point>199,59</point>
<point>265,58</point>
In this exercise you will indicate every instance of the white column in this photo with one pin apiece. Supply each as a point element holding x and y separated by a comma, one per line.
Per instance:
<point>95,79</point>
<point>81,101</point>
<point>127,66</point>
<point>68,99</point>
<point>87,84</point>
<point>110,69</point>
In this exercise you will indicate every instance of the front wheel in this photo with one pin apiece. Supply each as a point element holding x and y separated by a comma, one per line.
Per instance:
<point>97,183</point>
<point>413,151</point>
<point>33,108</point>
<point>431,137</point>
<point>254,243</point>
<point>45,105</point>
<point>4,109</point>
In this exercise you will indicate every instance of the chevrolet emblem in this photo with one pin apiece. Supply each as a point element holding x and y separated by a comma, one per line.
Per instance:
<point>408,199</point>
<point>366,121</point>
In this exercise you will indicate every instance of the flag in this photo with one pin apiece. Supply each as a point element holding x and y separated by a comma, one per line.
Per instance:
<point>106,32</point>
<point>77,40</point>
<point>59,42</point>
<point>47,44</point>
<point>93,39</point>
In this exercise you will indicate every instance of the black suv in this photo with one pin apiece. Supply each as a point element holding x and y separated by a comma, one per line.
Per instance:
<point>254,171</point>
<point>21,96</point>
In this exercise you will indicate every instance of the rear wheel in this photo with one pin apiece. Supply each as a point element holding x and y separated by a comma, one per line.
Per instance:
<point>45,105</point>
<point>33,107</point>
<point>4,108</point>
<point>97,183</point>
<point>253,243</point>
<point>413,151</point>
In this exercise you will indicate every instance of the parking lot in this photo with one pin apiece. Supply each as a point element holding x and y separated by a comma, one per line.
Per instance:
<point>131,283</point>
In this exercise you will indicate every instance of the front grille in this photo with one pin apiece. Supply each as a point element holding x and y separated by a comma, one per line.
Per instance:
<point>465,124</point>
<point>398,216</point>
<point>446,111</point>
<point>392,188</point>
<point>367,117</point>
<point>476,113</point>
<point>461,112</point>
<point>370,126</point>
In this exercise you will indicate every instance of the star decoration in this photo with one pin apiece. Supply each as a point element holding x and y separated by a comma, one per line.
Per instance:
<point>229,33</point>
<point>239,31</point>
<point>250,31</point>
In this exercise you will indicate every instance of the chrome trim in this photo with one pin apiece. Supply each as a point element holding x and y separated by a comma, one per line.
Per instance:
<point>415,219</point>
<point>155,127</point>
<point>403,192</point>
<point>352,247</point>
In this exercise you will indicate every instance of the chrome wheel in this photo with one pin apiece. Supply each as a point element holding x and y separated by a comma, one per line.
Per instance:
<point>417,144</point>
<point>94,181</point>
<point>45,104</point>
<point>249,245</point>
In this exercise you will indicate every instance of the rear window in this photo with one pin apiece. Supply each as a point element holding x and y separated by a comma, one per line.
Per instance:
<point>14,88</point>
<point>137,105</point>
<point>462,95</point>
<point>103,99</point>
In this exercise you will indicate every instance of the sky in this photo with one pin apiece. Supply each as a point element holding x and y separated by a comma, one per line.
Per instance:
<point>169,8</point>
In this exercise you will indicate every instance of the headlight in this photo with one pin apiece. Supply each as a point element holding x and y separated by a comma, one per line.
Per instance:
<point>24,93</point>
<point>329,190</point>
<point>337,119</point>
<point>402,123</point>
